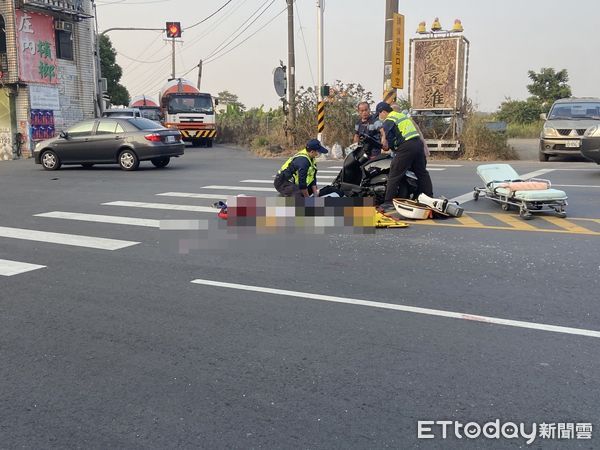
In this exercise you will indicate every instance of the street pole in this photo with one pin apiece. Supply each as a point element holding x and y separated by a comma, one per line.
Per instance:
<point>291,72</point>
<point>173,58</point>
<point>98,60</point>
<point>389,93</point>
<point>321,103</point>
<point>199,74</point>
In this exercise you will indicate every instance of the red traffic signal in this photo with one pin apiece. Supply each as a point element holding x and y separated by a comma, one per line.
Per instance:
<point>173,29</point>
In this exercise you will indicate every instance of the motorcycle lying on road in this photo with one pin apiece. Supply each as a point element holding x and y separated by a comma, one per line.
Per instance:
<point>363,176</point>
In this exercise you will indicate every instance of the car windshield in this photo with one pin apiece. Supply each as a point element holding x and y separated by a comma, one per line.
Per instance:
<point>145,124</point>
<point>582,110</point>
<point>191,103</point>
<point>151,113</point>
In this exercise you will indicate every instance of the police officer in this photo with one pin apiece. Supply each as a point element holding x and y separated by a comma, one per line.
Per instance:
<point>298,175</point>
<point>403,137</point>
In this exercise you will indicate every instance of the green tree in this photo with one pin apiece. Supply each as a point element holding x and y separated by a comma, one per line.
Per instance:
<point>548,86</point>
<point>117,93</point>
<point>229,99</point>
<point>519,111</point>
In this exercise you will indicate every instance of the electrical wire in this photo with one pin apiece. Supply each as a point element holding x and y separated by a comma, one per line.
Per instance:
<point>221,46</point>
<point>260,29</point>
<point>141,62</point>
<point>206,18</point>
<point>305,47</point>
<point>240,43</point>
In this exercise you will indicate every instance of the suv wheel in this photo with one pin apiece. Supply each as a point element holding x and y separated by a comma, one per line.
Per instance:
<point>543,156</point>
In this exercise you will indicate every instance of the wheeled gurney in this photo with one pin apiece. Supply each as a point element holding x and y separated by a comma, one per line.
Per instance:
<point>504,185</point>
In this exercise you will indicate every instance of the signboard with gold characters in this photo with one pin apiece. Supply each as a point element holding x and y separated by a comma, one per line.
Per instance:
<point>439,73</point>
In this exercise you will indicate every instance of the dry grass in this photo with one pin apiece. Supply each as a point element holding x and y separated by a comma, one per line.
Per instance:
<point>481,144</point>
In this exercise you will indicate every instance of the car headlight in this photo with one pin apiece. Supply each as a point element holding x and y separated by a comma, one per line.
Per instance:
<point>549,132</point>
<point>592,131</point>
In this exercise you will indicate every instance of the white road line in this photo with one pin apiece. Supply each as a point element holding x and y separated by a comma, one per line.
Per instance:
<point>577,185</point>
<point>168,206</point>
<point>240,188</point>
<point>10,268</point>
<point>334,167</point>
<point>469,195</point>
<point>102,219</point>
<point>444,165</point>
<point>586,169</point>
<point>329,171</point>
<point>434,169</point>
<point>64,239</point>
<point>322,179</point>
<point>192,195</point>
<point>405,308</point>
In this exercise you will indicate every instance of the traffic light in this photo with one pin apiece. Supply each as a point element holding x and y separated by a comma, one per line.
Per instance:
<point>173,29</point>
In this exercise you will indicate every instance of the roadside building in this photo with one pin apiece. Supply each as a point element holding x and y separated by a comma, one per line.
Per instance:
<point>47,79</point>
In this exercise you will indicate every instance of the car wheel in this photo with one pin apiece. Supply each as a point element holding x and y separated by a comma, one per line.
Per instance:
<point>128,160</point>
<point>50,160</point>
<point>543,156</point>
<point>209,143</point>
<point>161,162</point>
<point>87,165</point>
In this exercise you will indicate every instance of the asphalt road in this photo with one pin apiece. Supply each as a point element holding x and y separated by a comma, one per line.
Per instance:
<point>311,341</point>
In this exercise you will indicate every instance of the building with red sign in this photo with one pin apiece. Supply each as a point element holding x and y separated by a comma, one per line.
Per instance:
<point>47,70</point>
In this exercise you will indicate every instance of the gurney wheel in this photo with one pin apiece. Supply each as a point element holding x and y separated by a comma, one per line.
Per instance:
<point>562,215</point>
<point>505,206</point>
<point>476,195</point>
<point>525,215</point>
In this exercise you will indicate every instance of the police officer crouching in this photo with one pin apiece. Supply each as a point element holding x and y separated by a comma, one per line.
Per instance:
<point>298,175</point>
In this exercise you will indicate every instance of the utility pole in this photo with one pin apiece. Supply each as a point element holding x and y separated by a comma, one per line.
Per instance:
<point>389,93</point>
<point>199,74</point>
<point>321,104</point>
<point>173,58</point>
<point>291,72</point>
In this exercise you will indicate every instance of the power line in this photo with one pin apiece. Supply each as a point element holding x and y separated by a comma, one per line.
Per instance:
<point>260,29</point>
<point>220,46</point>
<point>142,62</point>
<point>305,47</point>
<point>206,18</point>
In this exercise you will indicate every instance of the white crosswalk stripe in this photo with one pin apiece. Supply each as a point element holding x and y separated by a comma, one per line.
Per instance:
<point>64,239</point>
<point>9,268</point>
<point>192,195</point>
<point>167,206</point>
<point>101,218</point>
<point>240,188</point>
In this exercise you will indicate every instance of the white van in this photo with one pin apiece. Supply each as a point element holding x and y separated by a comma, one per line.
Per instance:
<point>122,112</point>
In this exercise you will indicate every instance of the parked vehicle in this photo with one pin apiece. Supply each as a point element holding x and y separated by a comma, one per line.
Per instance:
<point>148,107</point>
<point>571,127</point>
<point>186,109</point>
<point>123,141</point>
<point>122,112</point>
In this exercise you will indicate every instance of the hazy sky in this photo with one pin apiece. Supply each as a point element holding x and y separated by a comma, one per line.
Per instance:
<point>508,38</point>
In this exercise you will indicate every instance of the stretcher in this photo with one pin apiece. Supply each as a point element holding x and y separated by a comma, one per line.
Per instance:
<point>503,185</point>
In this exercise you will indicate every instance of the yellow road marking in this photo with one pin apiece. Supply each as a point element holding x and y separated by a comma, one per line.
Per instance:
<point>514,222</point>
<point>467,222</point>
<point>565,224</point>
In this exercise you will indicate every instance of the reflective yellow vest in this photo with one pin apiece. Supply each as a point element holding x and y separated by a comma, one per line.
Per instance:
<point>404,124</point>
<point>312,170</point>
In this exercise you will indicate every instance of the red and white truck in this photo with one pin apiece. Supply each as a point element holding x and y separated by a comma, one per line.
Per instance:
<point>190,111</point>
